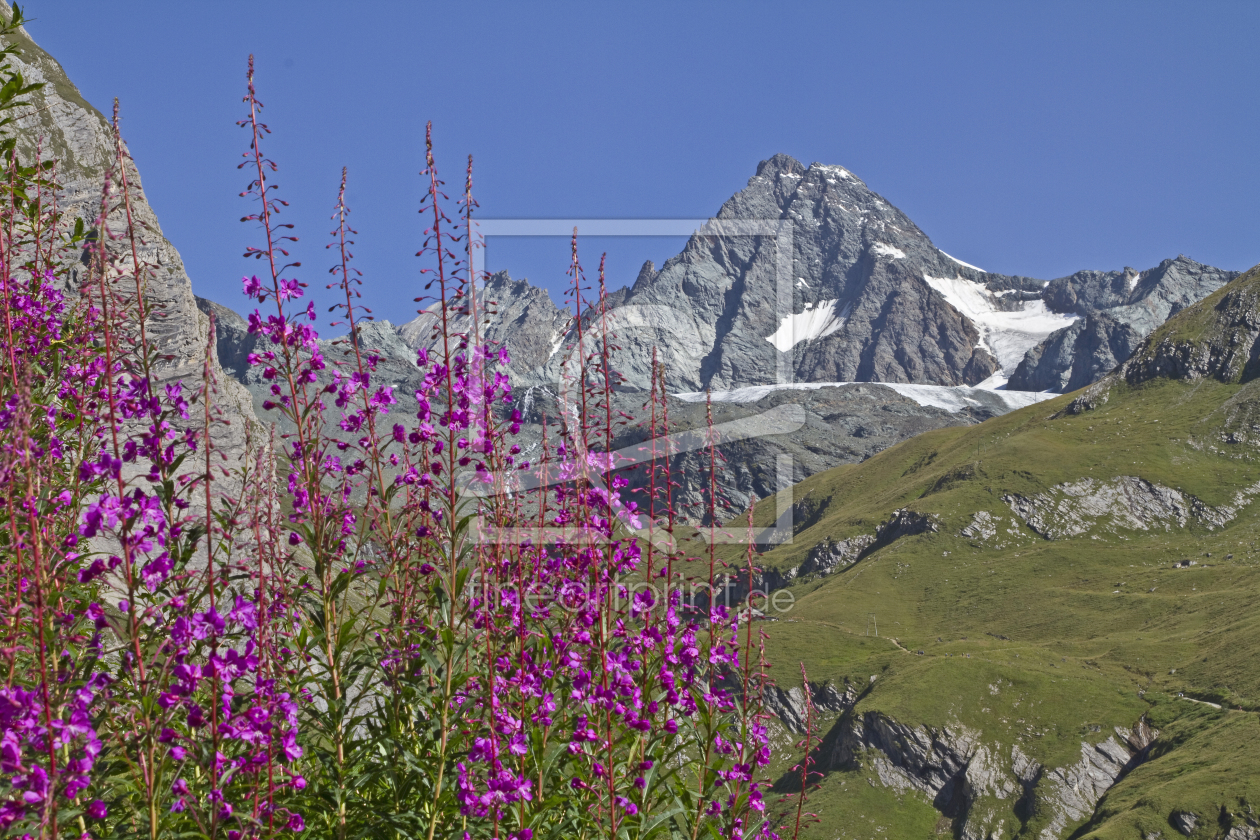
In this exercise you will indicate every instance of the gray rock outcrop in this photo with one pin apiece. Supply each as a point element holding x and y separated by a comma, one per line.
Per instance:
<point>1075,790</point>
<point>958,771</point>
<point>1225,349</point>
<point>906,523</point>
<point>789,705</point>
<point>982,527</point>
<point>831,555</point>
<point>1125,503</point>
<point>1185,822</point>
<point>1076,356</point>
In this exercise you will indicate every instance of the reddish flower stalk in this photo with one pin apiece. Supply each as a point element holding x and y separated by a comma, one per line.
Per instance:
<point>805,762</point>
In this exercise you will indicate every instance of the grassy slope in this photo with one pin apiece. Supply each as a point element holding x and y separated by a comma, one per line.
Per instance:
<point>1044,643</point>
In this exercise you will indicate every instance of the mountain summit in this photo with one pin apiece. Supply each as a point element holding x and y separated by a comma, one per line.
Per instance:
<point>867,298</point>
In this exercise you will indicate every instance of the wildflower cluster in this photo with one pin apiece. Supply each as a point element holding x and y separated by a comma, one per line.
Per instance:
<point>367,622</point>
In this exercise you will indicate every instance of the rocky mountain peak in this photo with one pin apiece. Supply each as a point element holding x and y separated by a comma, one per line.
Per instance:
<point>713,311</point>
<point>865,297</point>
<point>646,275</point>
<point>778,164</point>
<point>524,319</point>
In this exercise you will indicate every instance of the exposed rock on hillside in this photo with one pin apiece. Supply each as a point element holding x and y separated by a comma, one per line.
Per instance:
<point>828,555</point>
<point>906,523</point>
<point>982,527</point>
<point>1125,503</point>
<point>790,706</point>
<point>968,780</point>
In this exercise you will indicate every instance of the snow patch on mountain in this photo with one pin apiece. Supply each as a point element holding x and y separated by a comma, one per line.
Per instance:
<point>879,249</point>
<point>1008,335</point>
<point>838,171</point>
<point>557,341</point>
<point>814,322</point>
<point>996,382</point>
<point>963,264</point>
<point>952,398</point>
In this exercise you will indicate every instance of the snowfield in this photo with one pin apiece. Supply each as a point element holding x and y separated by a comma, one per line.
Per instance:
<point>880,249</point>
<point>1007,335</point>
<point>952,398</point>
<point>814,322</point>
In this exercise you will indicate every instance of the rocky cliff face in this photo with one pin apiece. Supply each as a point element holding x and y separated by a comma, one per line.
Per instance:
<point>514,314</point>
<point>1077,355</point>
<point>1217,338</point>
<point>1141,299</point>
<point>1117,310</point>
<point>63,126</point>
<point>987,792</point>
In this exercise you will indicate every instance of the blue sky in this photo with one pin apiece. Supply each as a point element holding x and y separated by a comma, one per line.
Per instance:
<point>1026,138</point>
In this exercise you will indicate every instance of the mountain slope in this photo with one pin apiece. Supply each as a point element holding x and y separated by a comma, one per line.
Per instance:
<point>1077,566</point>
<point>62,125</point>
